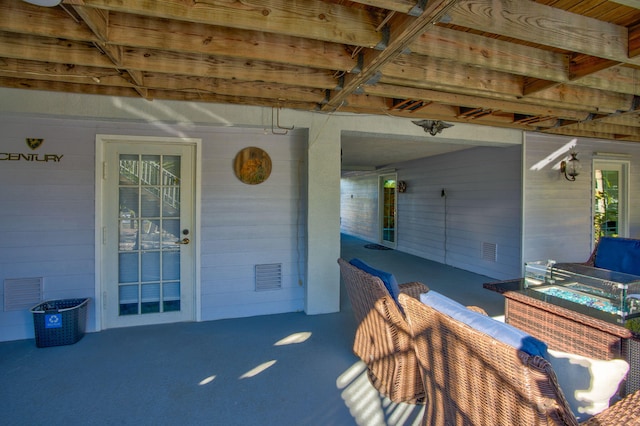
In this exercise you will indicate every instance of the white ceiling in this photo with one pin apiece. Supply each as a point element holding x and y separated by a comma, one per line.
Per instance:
<point>370,151</point>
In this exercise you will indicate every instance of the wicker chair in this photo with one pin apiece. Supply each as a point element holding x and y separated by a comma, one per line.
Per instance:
<point>471,378</point>
<point>382,339</point>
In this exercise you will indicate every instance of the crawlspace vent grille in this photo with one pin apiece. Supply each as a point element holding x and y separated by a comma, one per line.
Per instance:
<point>22,293</point>
<point>489,252</point>
<point>269,276</point>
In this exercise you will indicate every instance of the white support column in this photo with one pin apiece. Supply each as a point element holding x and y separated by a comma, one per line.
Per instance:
<point>323,217</point>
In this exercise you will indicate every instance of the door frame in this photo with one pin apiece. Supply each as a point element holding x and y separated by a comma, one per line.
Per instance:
<point>100,167</point>
<point>381,179</point>
<point>622,166</point>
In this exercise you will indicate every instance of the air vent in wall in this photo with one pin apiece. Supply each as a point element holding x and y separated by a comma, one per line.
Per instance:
<point>269,276</point>
<point>489,252</point>
<point>22,293</point>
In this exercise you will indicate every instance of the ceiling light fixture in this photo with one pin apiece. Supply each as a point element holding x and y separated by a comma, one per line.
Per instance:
<point>433,127</point>
<point>45,3</point>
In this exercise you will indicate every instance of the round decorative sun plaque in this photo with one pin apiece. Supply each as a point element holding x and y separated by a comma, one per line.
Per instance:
<point>252,165</point>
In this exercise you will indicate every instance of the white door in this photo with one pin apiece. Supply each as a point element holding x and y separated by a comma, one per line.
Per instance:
<point>148,223</point>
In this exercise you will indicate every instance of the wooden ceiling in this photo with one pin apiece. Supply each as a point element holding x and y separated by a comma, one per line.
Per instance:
<point>567,67</point>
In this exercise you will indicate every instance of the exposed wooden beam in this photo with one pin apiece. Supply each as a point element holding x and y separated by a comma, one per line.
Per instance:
<point>231,69</point>
<point>541,24</point>
<point>512,63</point>
<point>438,42</point>
<point>406,92</point>
<point>457,78</point>
<point>634,40</point>
<point>98,21</point>
<point>280,92</point>
<point>302,18</point>
<point>18,16</point>
<point>403,31</point>
<point>48,71</point>
<point>583,65</point>
<point>491,53</point>
<point>137,31</point>
<point>52,50</point>
<point>64,52</point>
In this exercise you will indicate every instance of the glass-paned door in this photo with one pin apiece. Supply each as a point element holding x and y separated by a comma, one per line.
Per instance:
<point>151,262</point>
<point>610,199</point>
<point>388,210</point>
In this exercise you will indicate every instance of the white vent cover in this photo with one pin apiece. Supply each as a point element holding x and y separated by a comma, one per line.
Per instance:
<point>269,276</point>
<point>22,293</point>
<point>489,252</point>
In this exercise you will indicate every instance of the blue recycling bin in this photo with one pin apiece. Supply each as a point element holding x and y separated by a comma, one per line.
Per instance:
<point>59,322</point>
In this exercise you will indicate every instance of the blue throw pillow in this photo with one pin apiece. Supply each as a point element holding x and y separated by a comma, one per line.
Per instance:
<point>502,332</point>
<point>618,254</point>
<point>387,278</point>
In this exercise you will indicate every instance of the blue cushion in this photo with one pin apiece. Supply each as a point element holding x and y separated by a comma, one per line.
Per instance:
<point>387,278</point>
<point>618,254</point>
<point>502,332</point>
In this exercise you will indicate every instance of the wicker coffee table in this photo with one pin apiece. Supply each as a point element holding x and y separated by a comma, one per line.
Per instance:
<point>569,327</point>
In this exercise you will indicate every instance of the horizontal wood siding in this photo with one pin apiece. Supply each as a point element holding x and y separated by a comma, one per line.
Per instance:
<point>47,217</point>
<point>244,225</point>
<point>482,205</point>
<point>557,221</point>
<point>359,206</point>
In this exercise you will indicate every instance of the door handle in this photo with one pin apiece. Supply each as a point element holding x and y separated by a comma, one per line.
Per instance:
<point>183,241</point>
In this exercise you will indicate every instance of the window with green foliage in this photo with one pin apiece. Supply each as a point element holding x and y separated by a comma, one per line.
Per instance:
<point>610,199</point>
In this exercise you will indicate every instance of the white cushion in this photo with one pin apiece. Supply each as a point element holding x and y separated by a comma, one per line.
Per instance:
<point>587,384</point>
<point>498,330</point>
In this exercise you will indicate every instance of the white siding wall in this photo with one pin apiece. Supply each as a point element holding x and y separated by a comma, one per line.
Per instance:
<point>244,225</point>
<point>359,207</point>
<point>558,213</point>
<point>47,215</point>
<point>483,187</point>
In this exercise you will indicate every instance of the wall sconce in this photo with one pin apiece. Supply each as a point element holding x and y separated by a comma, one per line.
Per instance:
<point>571,168</point>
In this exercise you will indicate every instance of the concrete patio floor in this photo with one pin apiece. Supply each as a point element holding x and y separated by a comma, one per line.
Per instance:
<point>286,369</point>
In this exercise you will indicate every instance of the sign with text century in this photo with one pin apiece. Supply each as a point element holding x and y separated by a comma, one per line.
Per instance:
<point>32,143</point>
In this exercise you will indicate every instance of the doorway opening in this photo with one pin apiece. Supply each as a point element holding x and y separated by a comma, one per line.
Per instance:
<point>388,210</point>
<point>146,248</point>
<point>610,198</point>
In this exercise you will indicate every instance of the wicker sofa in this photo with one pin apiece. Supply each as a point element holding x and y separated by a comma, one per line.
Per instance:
<point>383,340</point>
<point>472,378</point>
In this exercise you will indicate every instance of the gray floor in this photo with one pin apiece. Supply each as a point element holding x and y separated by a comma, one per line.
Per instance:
<point>289,369</point>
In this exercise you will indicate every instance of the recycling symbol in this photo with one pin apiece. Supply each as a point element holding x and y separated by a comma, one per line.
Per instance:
<point>53,321</point>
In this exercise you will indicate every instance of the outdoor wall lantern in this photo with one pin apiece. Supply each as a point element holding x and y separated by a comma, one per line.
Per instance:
<point>571,168</point>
